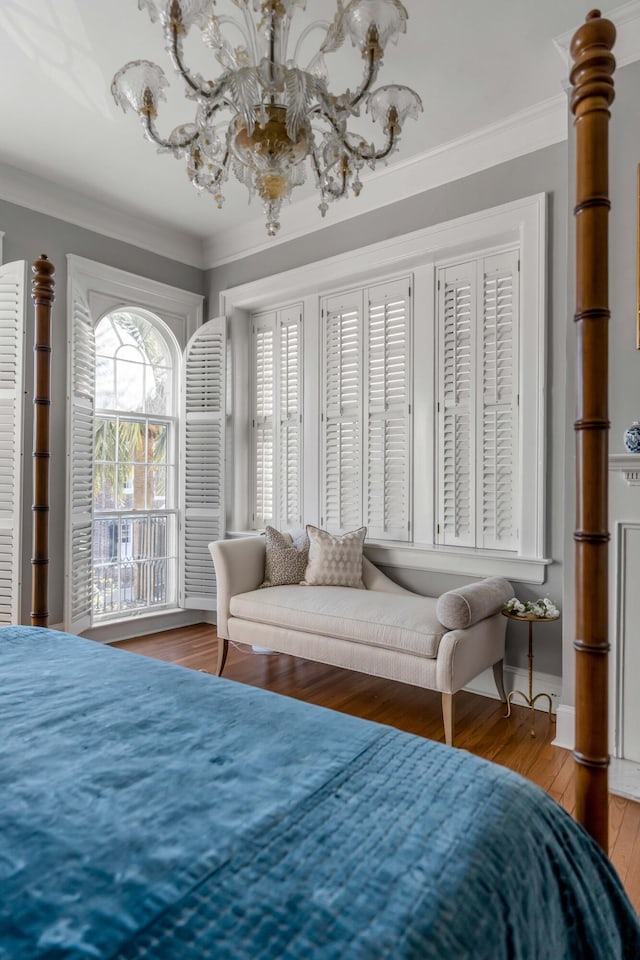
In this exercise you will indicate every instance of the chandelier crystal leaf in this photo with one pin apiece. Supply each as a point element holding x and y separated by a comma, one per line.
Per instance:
<point>265,114</point>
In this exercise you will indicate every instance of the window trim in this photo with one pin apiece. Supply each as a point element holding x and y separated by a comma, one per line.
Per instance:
<point>180,312</point>
<point>521,221</point>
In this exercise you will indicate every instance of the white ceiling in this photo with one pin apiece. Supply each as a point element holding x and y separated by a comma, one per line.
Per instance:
<point>472,63</point>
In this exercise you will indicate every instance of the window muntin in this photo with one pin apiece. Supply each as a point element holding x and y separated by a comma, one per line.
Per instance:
<point>134,490</point>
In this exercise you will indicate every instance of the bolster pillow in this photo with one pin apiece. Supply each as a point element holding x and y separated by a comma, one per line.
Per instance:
<point>461,608</point>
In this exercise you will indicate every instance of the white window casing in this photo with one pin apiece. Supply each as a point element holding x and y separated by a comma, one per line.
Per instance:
<point>202,461</point>
<point>12,348</point>
<point>517,225</point>
<point>93,290</point>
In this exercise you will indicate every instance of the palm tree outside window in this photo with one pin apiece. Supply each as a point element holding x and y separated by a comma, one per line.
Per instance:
<point>134,491</point>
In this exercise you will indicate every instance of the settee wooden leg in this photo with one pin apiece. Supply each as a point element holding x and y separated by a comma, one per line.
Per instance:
<point>448,715</point>
<point>498,676</point>
<point>223,649</point>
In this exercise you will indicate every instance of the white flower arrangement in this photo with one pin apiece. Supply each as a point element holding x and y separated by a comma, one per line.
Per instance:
<point>543,608</point>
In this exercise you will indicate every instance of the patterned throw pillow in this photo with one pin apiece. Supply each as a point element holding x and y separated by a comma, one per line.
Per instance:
<point>335,561</point>
<point>286,559</point>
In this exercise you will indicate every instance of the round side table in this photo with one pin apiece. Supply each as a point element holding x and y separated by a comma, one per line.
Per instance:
<point>530,700</point>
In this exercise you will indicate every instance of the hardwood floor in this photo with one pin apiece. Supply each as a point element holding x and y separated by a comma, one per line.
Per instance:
<point>481,726</point>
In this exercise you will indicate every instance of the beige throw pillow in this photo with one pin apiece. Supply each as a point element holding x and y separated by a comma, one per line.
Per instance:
<point>285,559</point>
<point>335,561</point>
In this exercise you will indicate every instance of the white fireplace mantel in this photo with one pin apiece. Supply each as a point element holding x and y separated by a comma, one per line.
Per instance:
<point>628,464</point>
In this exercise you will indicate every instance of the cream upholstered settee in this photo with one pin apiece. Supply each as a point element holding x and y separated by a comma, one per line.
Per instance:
<point>386,631</point>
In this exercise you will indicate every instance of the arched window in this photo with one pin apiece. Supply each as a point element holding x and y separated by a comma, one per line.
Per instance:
<point>135,543</point>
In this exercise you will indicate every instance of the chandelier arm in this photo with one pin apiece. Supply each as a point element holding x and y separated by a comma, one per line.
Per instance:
<point>236,23</point>
<point>336,192</point>
<point>316,25</point>
<point>369,153</point>
<point>326,188</point>
<point>253,34</point>
<point>210,93</point>
<point>371,71</point>
<point>152,134</point>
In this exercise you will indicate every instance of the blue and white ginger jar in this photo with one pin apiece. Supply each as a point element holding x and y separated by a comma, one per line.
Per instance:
<point>632,437</point>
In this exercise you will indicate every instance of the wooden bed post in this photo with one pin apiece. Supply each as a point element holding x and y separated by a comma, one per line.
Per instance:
<point>43,297</point>
<point>591,79</point>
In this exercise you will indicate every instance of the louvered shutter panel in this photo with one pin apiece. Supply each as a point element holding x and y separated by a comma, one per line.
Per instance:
<point>81,374</point>
<point>202,462</point>
<point>388,393</point>
<point>263,418</point>
<point>457,313</point>
<point>12,333</point>
<point>498,406</point>
<point>290,417</point>
<point>342,442</point>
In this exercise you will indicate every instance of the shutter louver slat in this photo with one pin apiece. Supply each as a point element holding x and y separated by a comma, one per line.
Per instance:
<point>277,435</point>
<point>202,462</point>
<point>82,360</point>
<point>263,420</point>
<point>457,408</point>
<point>342,460</point>
<point>289,435</point>
<point>12,332</point>
<point>388,389</point>
<point>498,489</point>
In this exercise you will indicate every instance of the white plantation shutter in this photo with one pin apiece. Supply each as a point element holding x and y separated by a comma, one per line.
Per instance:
<point>478,403</point>
<point>202,461</point>
<point>264,333</point>
<point>457,314</point>
<point>388,395</point>
<point>498,485</point>
<point>81,365</point>
<point>12,333</point>
<point>290,417</point>
<point>342,434</point>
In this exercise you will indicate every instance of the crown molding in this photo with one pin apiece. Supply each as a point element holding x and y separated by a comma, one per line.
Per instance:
<point>627,49</point>
<point>44,196</point>
<point>539,126</point>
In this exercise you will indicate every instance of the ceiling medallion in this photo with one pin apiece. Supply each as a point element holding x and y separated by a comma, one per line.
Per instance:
<point>265,114</point>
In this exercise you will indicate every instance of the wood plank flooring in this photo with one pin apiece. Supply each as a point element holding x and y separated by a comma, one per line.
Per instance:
<point>481,726</point>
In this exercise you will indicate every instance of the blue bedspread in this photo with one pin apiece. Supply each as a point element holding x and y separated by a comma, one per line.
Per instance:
<point>149,811</point>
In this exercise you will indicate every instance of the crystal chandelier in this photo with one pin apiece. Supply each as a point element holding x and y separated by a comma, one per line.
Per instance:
<point>264,114</point>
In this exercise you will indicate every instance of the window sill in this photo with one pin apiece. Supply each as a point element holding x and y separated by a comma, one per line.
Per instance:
<point>457,560</point>
<point>124,628</point>
<point>440,559</point>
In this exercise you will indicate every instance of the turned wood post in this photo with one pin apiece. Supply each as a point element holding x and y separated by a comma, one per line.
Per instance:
<point>43,296</point>
<point>592,82</point>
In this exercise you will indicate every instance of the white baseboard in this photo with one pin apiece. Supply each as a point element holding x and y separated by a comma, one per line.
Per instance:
<point>565,727</point>
<point>517,678</point>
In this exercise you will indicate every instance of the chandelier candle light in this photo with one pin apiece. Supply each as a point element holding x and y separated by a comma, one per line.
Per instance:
<point>264,114</point>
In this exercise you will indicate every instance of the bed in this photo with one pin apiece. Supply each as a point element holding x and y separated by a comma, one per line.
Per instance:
<point>153,811</point>
<point>149,811</point>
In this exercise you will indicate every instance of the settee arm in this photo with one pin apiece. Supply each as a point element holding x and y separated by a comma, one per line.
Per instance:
<point>239,566</point>
<point>463,654</point>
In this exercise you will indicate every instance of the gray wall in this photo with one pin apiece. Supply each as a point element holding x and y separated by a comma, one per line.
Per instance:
<point>624,358</point>
<point>543,171</point>
<point>27,235</point>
